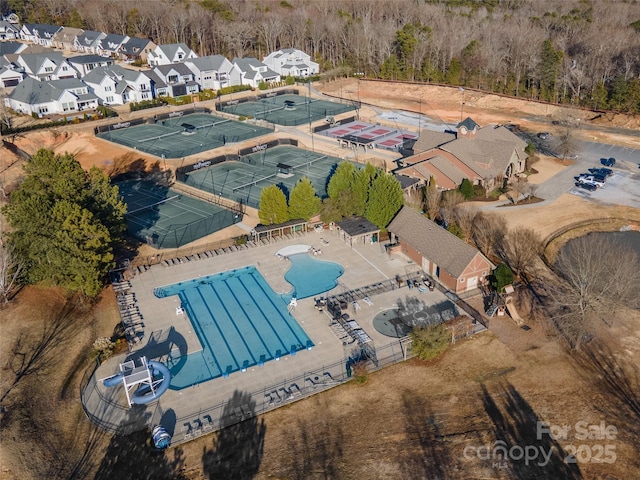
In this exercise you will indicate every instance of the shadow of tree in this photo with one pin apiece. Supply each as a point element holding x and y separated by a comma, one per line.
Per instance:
<point>618,383</point>
<point>135,457</point>
<point>431,458</point>
<point>516,427</point>
<point>238,447</point>
<point>314,446</point>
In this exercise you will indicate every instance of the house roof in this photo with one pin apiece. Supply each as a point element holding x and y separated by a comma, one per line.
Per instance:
<point>112,41</point>
<point>134,46</point>
<point>6,26</point>
<point>489,152</point>
<point>429,139</point>
<point>88,37</point>
<point>115,72</point>
<point>468,123</point>
<point>34,61</point>
<point>170,49</point>
<point>42,30</point>
<point>356,226</point>
<point>405,181</point>
<point>447,168</point>
<point>10,47</point>
<point>33,92</point>
<point>84,59</point>
<point>246,63</point>
<point>443,248</point>
<point>210,62</point>
<point>179,68</point>
<point>67,34</point>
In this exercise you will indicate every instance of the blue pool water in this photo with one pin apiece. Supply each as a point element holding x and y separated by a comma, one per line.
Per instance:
<point>310,276</point>
<point>240,321</point>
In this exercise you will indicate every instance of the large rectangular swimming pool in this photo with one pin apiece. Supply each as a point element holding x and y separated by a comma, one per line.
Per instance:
<point>240,322</point>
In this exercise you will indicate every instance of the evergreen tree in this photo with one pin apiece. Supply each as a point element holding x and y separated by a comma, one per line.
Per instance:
<point>65,223</point>
<point>342,179</point>
<point>273,206</point>
<point>361,185</point>
<point>549,69</point>
<point>466,189</point>
<point>303,201</point>
<point>385,200</point>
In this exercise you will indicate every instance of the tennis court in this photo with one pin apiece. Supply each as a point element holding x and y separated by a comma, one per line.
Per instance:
<point>362,133</point>
<point>242,181</point>
<point>288,110</point>
<point>181,135</point>
<point>165,218</point>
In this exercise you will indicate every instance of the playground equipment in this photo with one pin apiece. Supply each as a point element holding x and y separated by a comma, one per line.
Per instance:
<point>143,383</point>
<point>511,310</point>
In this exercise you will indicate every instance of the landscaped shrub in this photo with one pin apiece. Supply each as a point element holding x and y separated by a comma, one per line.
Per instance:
<point>466,189</point>
<point>429,342</point>
<point>144,104</point>
<point>263,85</point>
<point>501,277</point>
<point>234,89</point>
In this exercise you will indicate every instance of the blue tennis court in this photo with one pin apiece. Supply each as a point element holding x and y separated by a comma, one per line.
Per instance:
<point>240,322</point>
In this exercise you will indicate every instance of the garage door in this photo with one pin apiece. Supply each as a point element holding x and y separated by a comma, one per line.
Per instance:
<point>472,283</point>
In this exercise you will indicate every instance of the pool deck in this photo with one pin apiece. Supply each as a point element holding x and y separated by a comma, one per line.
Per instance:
<point>165,329</point>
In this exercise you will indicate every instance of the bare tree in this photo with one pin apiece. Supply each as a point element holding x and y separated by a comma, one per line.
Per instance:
<point>11,270</point>
<point>521,248</point>
<point>449,200</point>
<point>464,216</point>
<point>432,198</point>
<point>488,232</point>
<point>565,141</point>
<point>597,278</point>
<point>518,187</point>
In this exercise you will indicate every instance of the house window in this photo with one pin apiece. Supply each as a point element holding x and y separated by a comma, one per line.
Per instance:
<point>461,279</point>
<point>64,69</point>
<point>43,109</point>
<point>48,69</point>
<point>109,99</point>
<point>107,88</point>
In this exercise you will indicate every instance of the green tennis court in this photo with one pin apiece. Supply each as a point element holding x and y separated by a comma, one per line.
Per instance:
<point>182,135</point>
<point>242,181</point>
<point>287,109</point>
<point>164,218</point>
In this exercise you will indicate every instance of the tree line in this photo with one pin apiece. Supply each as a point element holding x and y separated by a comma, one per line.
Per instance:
<point>575,52</point>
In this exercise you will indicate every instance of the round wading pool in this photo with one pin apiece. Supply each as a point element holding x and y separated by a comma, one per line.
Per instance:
<point>389,323</point>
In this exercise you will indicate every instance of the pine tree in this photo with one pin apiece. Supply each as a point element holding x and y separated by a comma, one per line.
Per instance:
<point>273,206</point>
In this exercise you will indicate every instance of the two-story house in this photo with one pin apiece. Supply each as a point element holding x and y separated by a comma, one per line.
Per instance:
<point>115,85</point>
<point>85,63</point>
<point>109,46</point>
<point>39,34</point>
<point>291,62</point>
<point>136,49</point>
<point>50,97</point>
<point>9,28</point>
<point>170,53</point>
<point>214,72</point>
<point>253,71</point>
<point>65,38</point>
<point>46,66</point>
<point>175,80</point>
<point>88,41</point>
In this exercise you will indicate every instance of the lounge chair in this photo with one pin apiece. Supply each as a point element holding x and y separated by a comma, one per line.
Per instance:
<point>367,300</point>
<point>286,394</point>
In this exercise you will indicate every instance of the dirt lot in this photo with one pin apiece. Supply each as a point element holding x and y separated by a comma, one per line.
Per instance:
<point>413,420</point>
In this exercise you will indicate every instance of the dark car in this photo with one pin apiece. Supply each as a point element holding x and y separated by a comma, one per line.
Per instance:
<point>608,162</point>
<point>604,172</point>
<point>544,135</point>
<point>586,186</point>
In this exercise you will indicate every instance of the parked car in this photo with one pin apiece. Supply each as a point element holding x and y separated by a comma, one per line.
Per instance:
<point>605,172</point>
<point>596,176</point>
<point>608,162</point>
<point>586,186</point>
<point>592,180</point>
<point>544,135</point>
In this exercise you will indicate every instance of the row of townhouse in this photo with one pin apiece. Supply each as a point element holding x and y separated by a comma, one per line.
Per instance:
<point>113,84</point>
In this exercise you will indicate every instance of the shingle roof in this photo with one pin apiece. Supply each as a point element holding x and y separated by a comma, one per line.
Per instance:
<point>355,226</point>
<point>84,59</point>
<point>10,47</point>
<point>88,37</point>
<point>35,60</point>
<point>134,46</point>
<point>429,139</point>
<point>468,123</point>
<point>180,68</point>
<point>42,30</point>
<point>448,169</point>
<point>432,241</point>
<point>33,92</point>
<point>155,78</point>
<point>112,41</point>
<point>170,49</point>
<point>210,62</point>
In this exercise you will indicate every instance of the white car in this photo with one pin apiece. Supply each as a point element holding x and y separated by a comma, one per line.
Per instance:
<point>591,180</point>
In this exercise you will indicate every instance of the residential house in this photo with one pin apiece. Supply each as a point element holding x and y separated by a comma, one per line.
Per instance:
<point>485,156</point>
<point>46,66</point>
<point>109,46</point>
<point>170,53</point>
<point>88,41</point>
<point>9,48</point>
<point>51,97</point>
<point>65,39</point>
<point>448,259</point>
<point>115,85</point>
<point>9,75</point>
<point>85,63</point>
<point>136,49</point>
<point>39,34</point>
<point>291,62</point>
<point>175,80</point>
<point>214,72</point>
<point>253,71</point>
<point>9,28</point>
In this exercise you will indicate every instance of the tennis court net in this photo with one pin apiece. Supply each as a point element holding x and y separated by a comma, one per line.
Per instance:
<point>153,205</point>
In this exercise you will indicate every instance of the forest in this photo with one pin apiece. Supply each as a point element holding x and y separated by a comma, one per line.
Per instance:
<point>580,52</point>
